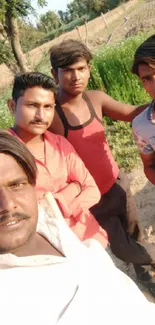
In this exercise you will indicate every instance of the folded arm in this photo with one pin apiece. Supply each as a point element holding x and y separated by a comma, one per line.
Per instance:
<point>81,193</point>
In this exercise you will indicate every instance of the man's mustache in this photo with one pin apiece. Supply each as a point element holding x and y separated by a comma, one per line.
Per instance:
<point>39,121</point>
<point>5,218</point>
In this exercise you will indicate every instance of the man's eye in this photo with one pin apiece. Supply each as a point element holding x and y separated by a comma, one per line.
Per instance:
<point>49,107</point>
<point>17,186</point>
<point>145,80</point>
<point>31,105</point>
<point>67,70</point>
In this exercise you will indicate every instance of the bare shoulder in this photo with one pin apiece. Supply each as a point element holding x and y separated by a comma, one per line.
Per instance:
<point>97,98</point>
<point>101,98</point>
<point>96,95</point>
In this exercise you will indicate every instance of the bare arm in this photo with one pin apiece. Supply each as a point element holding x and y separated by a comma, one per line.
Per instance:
<point>117,110</point>
<point>149,166</point>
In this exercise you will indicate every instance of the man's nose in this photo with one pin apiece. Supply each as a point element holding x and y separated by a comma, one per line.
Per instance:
<point>75,75</point>
<point>40,113</point>
<point>7,201</point>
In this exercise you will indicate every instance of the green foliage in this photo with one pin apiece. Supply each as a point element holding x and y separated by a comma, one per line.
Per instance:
<point>78,8</point>
<point>6,119</point>
<point>18,8</point>
<point>6,55</point>
<point>29,36</point>
<point>114,65</point>
<point>122,144</point>
<point>48,22</point>
<point>95,81</point>
<point>63,29</point>
<point>15,8</point>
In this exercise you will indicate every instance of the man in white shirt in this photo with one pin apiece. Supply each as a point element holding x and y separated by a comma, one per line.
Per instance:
<point>144,124</point>
<point>47,276</point>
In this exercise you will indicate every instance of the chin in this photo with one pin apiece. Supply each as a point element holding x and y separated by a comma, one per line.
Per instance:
<point>38,132</point>
<point>76,92</point>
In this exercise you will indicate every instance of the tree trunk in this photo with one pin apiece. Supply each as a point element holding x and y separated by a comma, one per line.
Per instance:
<point>15,43</point>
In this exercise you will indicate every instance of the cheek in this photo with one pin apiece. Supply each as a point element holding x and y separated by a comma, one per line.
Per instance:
<point>149,88</point>
<point>23,115</point>
<point>49,116</point>
<point>29,196</point>
<point>64,79</point>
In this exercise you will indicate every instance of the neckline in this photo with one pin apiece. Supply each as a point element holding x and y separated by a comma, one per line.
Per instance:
<point>79,126</point>
<point>44,140</point>
<point>150,112</point>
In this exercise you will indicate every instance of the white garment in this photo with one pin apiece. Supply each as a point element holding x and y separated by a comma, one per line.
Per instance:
<point>82,288</point>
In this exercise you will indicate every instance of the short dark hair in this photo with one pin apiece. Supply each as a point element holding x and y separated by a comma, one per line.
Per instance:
<point>23,81</point>
<point>145,54</point>
<point>68,52</point>
<point>10,145</point>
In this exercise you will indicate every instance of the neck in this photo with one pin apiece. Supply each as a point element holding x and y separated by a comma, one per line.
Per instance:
<point>26,137</point>
<point>36,245</point>
<point>64,97</point>
<point>30,248</point>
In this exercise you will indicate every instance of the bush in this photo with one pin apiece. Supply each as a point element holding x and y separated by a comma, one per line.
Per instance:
<point>95,81</point>
<point>6,55</point>
<point>122,144</point>
<point>114,65</point>
<point>6,119</point>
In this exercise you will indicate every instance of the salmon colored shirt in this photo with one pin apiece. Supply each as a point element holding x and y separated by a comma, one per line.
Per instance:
<point>61,166</point>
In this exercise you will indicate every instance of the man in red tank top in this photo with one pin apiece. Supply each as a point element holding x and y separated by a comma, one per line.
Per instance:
<point>78,117</point>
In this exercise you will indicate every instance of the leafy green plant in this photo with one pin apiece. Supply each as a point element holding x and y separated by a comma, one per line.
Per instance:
<point>6,120</point>
<point>122,144</point>
<point>114,66</point>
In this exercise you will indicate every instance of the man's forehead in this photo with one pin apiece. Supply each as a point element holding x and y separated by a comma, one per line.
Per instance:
<point>145,70</point>
<point>9,169</point>
<point>79,62</point>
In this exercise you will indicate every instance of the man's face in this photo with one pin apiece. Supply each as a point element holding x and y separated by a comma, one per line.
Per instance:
<point>74,78</point>
<point>18,206</point>
<point>34,111</point>
<point>147,76</point>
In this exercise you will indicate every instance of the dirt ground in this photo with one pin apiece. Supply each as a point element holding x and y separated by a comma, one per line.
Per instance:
<point>144,194</point>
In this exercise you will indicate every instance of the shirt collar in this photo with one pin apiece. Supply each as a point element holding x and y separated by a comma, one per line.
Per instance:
<point>58,233</point>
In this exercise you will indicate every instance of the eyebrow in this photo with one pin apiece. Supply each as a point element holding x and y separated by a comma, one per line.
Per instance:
<point>147,75</point>
<point>17,180</point>
<point>38,103</point>
<point>70,67</point>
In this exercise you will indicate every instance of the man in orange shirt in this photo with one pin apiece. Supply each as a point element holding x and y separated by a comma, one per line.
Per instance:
<point>60,170</point>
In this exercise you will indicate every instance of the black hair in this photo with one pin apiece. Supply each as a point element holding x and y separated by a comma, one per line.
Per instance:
<point>145,54</point>
<point>10,145</point>
<point>68,52</point>
<point>29,80</point>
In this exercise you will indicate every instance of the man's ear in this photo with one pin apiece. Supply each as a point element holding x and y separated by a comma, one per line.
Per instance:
<point>89,67</point>
<point>12,106</point>
<point>54,74</point>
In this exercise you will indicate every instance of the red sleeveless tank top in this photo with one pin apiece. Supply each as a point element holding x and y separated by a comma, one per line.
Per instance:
<point>90,143</point>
